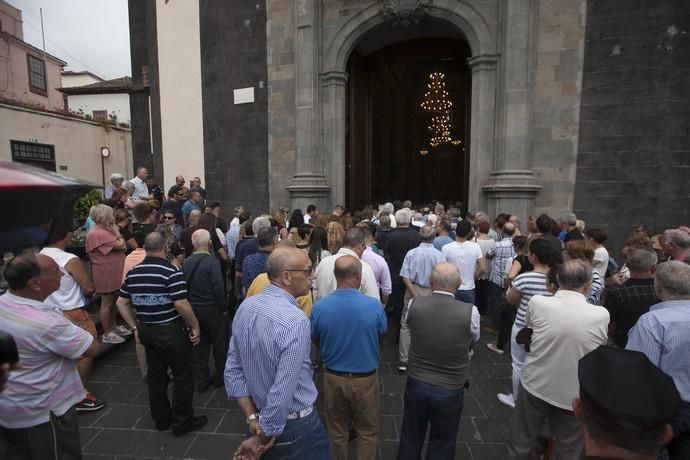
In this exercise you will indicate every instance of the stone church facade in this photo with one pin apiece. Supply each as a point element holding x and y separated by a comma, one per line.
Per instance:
<point>570,105</point>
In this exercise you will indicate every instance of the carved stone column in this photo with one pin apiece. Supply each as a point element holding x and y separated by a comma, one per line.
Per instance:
<point>309,183</point>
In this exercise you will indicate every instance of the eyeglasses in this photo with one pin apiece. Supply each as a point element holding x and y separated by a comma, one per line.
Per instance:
<point>168,217</point>
<point>306,271</point>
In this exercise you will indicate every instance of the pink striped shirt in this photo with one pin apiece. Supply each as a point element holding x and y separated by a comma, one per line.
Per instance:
<point>48,346</point>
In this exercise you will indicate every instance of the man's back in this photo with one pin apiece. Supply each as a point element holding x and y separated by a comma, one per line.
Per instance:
<point>398,242</point>
<point>348,325</point>
<point>465,256</point>
<point>565,328</point>
<point>627,303</point>
<point>440,329</point>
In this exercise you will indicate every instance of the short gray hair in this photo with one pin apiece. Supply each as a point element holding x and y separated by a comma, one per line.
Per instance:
<point>403,216</point>
<point>574,274</point>
<point>259,223</point>
<point>102,214</point>
<point>678,237</point>
<point>673,279</point>
<point>445,275</point>
<point>155,241</point>
<point>388,207</point>
<point>641,259</point>
<point>569,218</point>
<point>126,185</point>
<point>279,261</point>
<point>200,239</point>
<point>427,233</point>
<point>116,176</point>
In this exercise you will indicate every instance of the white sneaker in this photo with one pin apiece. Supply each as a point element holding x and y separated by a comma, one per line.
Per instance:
<point>494,348</point>
<point>508,400</point>
<point>122,330</point>
<point>112,337</point>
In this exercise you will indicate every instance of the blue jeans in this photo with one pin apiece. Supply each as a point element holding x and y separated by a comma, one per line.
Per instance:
<point>429,404</point>
<point>466,296</point>
<point>302,438</point>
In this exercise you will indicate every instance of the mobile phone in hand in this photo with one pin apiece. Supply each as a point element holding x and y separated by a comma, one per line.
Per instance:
<point>8,349</point>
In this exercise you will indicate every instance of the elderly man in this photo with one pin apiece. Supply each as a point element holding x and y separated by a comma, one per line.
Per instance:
<point>569,226</point>
<point>269,370</point>
<point>195,202</point>
<point>158,291</point>
<point>398,242</point>
<point>353,245</point>
<point>116,181</point>
<point>187,232</point>
<point>346,326</point>
<point>628,302</point>
<point>415,272</point>
<point>251,246</point>
<point>442,331</point>
<point>676,244</point>
<point>663,334</point>
<point>206,293</point>
<point>141,190</point>
<point>37,415</point>
<point>619,420</point>
<point>564,328</point>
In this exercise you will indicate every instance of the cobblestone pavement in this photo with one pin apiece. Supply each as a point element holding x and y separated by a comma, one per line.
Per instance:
<point>124,429</point>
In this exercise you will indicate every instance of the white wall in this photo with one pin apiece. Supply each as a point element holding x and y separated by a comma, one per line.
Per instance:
<point>69,81</point>
<point>118,103</point>
<point>77,142</point>
<point>179,70</point>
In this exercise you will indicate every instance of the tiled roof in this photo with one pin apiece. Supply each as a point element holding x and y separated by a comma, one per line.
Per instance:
<point>117,85</point>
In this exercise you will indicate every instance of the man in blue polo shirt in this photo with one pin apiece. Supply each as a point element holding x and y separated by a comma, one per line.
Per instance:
<point>347,325</point>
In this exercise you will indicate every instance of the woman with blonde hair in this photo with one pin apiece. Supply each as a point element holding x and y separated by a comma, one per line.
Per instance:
<point>334,236</point>
<point>106,249</point>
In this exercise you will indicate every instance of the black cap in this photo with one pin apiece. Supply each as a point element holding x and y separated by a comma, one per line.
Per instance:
<point>624,387</point>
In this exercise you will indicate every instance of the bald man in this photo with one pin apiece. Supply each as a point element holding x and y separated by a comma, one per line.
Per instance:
<point>268,370</point>
<point>37,413</point>
<point>347,325</point>
<point>442,330</point>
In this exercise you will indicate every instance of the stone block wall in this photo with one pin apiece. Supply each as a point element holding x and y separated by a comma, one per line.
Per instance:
<point>634,152</point>
<point>233,55</point>
<point>557,86</point>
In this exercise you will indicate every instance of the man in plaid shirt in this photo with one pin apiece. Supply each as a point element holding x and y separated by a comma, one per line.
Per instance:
<point>500,255</point>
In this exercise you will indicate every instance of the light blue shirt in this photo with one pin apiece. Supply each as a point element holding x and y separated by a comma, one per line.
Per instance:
<point>419,262</point>
<point>663,334</point>
<point>268,358</point>
<point>441,241</point>
<point>231,239</point>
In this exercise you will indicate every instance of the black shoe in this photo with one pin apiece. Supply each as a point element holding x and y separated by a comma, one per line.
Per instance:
<point>163,424</point>
<point>89,404</point>
<point>190,425</point>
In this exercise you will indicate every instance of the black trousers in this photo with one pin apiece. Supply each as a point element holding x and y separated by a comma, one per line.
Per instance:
<point>168,345</point>
<point>508,313</point>
<point>214,327</point>
<point>57,439</point>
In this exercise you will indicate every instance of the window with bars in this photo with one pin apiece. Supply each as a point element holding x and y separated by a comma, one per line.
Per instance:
<point>37,75</point>
<point>100,115</point>
<point>41,155</point>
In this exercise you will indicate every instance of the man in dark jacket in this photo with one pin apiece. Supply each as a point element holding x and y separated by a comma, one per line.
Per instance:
<point>206,293</point>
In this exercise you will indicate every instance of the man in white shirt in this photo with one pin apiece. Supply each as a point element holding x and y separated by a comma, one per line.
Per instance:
<point>353,245</point>
<point>467,257</point>
<point>141,190</point>
<point>564,329</point>
<point>310,214</point>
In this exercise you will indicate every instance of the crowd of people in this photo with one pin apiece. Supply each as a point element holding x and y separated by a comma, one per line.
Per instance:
<point>599,349</point>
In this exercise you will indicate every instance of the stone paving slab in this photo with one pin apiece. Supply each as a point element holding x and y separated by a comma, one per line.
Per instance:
<point>124,429</point>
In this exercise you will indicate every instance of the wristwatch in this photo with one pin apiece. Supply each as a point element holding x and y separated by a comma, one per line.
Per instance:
<point>252,417</point>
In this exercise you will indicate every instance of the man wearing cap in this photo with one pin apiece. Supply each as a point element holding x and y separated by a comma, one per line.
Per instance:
<point>663,334</point>
<point>620,421</point>
<point>564,329</point>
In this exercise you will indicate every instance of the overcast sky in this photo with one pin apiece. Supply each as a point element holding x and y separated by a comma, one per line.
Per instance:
<point>87,34</point>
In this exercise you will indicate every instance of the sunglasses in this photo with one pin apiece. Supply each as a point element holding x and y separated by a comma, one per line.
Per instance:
<point>168,217</point>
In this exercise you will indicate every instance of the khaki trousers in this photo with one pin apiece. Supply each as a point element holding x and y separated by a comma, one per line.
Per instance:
<point>355,398</point>
<point>404,344</point>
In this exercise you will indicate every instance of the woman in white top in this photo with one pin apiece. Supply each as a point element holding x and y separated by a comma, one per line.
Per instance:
<point>601,256</point>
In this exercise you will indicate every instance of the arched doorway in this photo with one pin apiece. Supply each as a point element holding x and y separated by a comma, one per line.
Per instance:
<point>390,153</point>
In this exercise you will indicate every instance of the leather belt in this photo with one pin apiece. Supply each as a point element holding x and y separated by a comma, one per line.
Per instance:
<point>354,375</point>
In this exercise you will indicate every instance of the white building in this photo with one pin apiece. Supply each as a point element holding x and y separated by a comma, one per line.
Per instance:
<point>99,100</point>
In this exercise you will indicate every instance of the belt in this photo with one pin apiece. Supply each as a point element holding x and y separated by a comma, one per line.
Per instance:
<point>172,322</point>
<point>301,414</point>
<point>354,375</point>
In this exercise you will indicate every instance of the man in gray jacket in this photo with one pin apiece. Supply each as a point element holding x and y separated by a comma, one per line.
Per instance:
<point>206,293</point>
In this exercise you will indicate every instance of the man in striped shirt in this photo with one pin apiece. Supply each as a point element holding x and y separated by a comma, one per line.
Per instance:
<point>269,369</point>
<point>158,291</point>
<point>500,255</point>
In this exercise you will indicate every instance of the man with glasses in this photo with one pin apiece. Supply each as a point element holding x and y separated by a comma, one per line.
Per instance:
<point>353,245</point>
<point>268,370</point>
<point>174,205</point>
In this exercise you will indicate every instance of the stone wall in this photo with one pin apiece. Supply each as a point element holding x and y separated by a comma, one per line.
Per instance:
<point>557,87</point>
<point>233,55</point>
<point>280,35</point>
<point>634,159</point>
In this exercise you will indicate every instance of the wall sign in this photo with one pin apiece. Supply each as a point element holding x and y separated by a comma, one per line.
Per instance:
<point>244,95</point>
